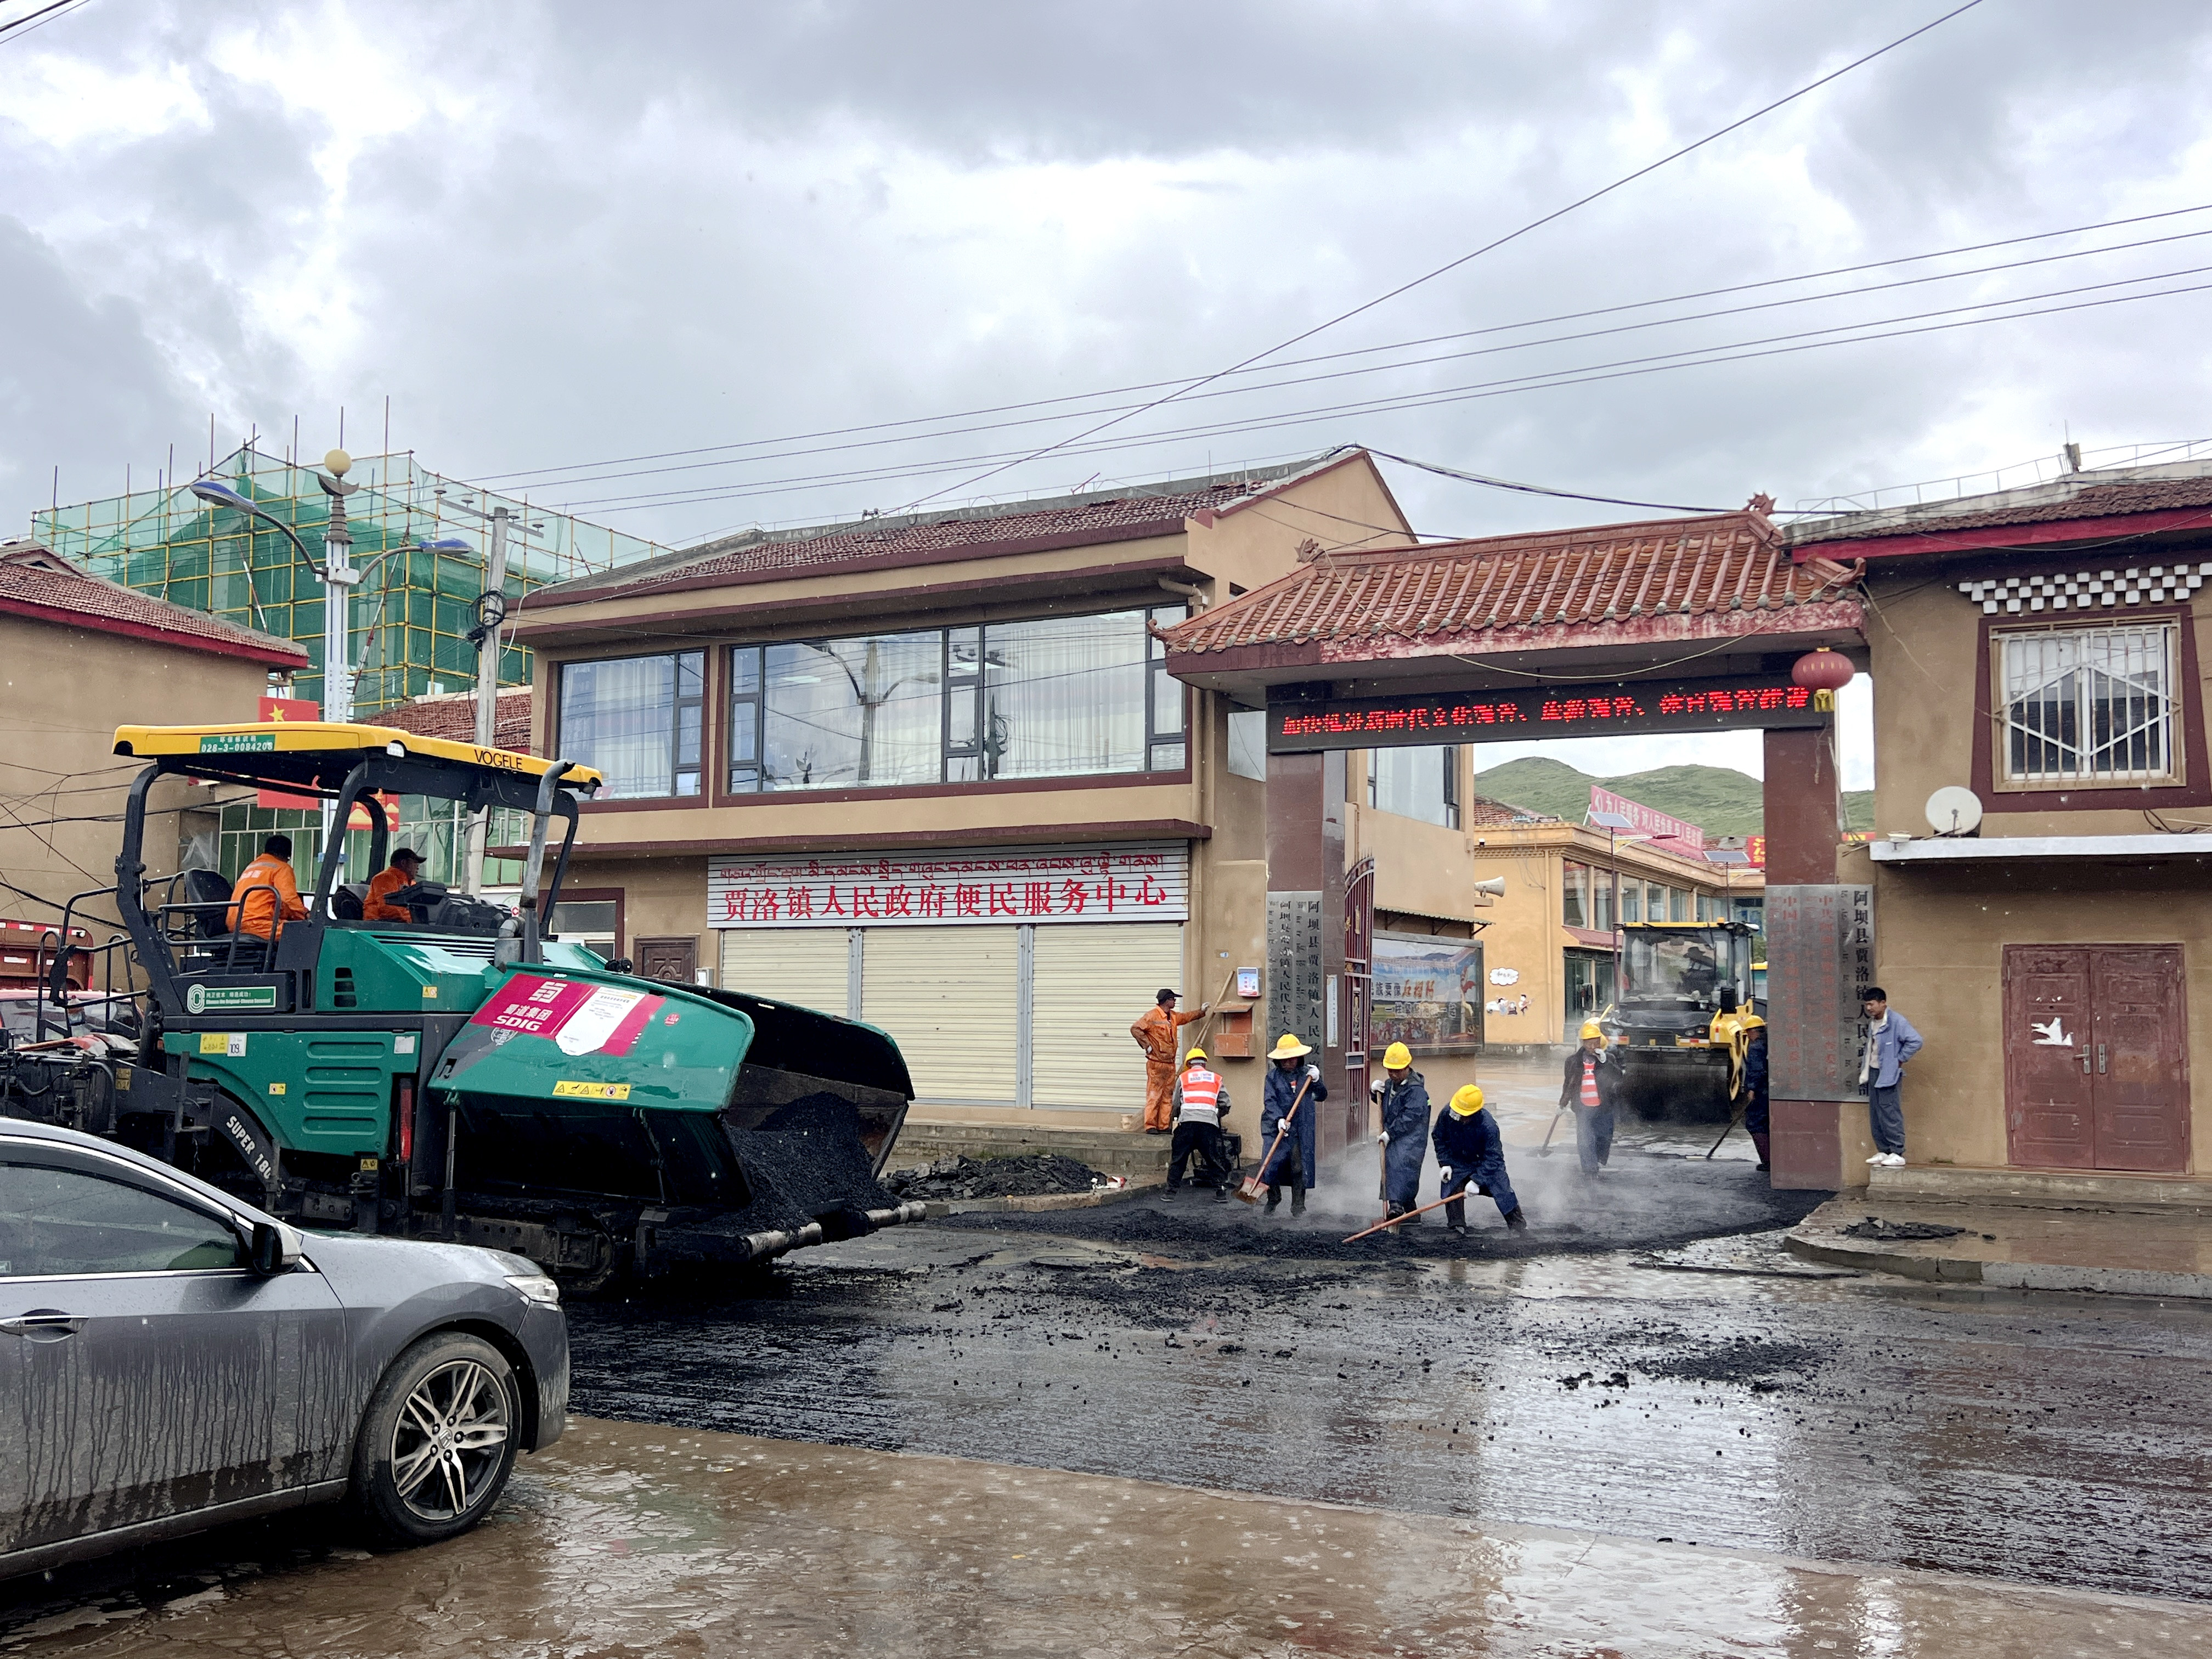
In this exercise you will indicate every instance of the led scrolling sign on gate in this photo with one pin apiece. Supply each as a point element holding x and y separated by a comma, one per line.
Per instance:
<point>1613,708</point>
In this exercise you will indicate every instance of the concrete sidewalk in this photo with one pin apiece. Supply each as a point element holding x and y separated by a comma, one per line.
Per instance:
<point>2022,1246</point>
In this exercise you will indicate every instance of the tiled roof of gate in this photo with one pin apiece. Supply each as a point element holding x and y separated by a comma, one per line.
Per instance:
<point>1598,573</point>
<point>36,580</point>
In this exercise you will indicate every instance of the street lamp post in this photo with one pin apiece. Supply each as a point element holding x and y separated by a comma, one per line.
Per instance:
<point>336,574</point>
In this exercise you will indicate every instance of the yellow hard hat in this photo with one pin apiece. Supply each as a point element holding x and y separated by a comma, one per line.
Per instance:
<point>1750,1022</point>
<point>1195,1054</point>
<point>1591,1028</point>
<point>1287,1046</point>
<point>1397,1057</point>
<point>1467,1101</point>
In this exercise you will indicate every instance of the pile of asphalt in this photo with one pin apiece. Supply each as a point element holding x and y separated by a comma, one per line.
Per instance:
<point>804,1160</point>
<point>1875,1227</point>
<point>962,1178</point>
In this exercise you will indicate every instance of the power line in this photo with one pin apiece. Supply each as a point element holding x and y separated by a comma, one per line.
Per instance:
<point>31,23</point>
<point>1737,351</point>
<point>1482,351</point>
<point>1465,258</point>
<point>584,472</point>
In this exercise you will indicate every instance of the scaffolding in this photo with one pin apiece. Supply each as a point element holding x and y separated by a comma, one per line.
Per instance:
<point>410,617</point>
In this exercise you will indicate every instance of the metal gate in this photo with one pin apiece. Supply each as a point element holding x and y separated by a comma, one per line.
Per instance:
<point>1359,994</point>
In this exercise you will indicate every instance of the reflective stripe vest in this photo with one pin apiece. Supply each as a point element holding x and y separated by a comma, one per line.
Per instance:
<point>1202,1095</point>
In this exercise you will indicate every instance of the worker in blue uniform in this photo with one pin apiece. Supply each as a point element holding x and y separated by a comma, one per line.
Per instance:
<point>1292,1090</point>
<point>1404,1100</point>
<point>1472,1153</point>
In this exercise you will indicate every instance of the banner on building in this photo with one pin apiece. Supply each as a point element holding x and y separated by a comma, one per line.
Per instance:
<point>1657,825</point>
<point>1820,961</point>
<point>984,886</point>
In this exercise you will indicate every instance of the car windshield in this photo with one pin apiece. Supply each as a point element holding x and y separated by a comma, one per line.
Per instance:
<point>1694,966</point>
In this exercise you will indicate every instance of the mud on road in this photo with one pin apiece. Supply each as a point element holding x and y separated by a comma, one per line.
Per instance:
<point>1541,1379</point>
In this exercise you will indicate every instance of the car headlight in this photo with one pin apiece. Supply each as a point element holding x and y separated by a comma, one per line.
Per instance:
<point>536,1287</point>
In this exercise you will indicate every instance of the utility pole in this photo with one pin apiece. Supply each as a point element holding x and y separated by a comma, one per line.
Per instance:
<point>491,611</point>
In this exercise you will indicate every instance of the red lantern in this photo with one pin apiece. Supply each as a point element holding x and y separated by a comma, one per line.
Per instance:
<point>1822,671</point>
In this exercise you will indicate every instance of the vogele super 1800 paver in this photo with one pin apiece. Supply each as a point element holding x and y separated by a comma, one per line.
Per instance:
<point>459,1075</point>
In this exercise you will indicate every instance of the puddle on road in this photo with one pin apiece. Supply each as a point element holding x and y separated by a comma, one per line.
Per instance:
<point>628,1539</point>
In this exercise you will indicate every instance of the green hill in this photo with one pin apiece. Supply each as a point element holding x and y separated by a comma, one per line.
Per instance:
<point>1719,799</point>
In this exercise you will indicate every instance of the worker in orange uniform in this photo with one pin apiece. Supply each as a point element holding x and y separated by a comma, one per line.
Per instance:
<point>404,871</point>
<point>1155,1033</point>
<point>259,913</point>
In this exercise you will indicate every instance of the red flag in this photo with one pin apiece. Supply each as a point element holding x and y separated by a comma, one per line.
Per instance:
<point>278,710</point>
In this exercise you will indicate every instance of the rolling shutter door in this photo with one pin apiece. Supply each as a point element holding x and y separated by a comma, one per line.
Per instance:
<point>1088,983</point>
<point>805,965</point>
<point>947,995</point>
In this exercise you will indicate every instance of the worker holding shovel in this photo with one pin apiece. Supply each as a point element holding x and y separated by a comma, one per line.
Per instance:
<point>1472,1153</point>
<point>1290,1161</point>
<point>1591,1091</point>
<point>1404,1100</point>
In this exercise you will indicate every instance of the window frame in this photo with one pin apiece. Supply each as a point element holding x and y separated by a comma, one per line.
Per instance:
<point>2177,775</point>
<point>1166,753</point>
<point>2190,743</point>
<point>699,702</point>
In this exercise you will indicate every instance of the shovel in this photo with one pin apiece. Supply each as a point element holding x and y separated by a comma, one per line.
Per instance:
<point>1545,1150</point>
<point>1250,1189</point>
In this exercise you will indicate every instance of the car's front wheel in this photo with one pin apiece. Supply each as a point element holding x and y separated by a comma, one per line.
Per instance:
<point>439,1440</point>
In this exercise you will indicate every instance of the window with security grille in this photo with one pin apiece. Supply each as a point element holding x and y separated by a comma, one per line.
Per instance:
<point>2088,705</point>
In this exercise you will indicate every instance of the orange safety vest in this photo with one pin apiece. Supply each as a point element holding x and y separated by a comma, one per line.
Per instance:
<point>1202,1095</point>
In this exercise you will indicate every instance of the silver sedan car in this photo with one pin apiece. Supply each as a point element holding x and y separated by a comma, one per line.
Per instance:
<point>173,1359</point>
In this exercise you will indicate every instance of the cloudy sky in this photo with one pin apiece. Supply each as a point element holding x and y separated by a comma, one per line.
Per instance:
<point>567,241</point>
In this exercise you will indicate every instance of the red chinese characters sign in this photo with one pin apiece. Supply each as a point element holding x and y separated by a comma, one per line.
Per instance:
<point>1656,824</point>
<point>1140,881</point>
<point>1595,711</point>
<point>578,1019</point>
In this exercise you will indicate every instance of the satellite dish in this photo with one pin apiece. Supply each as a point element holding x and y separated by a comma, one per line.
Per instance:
<point>1953,811</point>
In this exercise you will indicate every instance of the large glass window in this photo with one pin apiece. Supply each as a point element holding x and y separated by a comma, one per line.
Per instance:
<point>1632,901</point>
<point>1050,697</point>
<point>1427,994</point>
<point>1415,783</point>
<point>638,720</point>
<point>1575,908</point>
<point>2089,704</point>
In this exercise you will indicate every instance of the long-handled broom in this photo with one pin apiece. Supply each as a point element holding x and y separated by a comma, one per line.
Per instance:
<point>1250,1189</point>
<point>1392,1221</point>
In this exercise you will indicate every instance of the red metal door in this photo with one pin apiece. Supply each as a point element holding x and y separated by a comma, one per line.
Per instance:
<point>2140,1080</point>
<point>2050,1118</point>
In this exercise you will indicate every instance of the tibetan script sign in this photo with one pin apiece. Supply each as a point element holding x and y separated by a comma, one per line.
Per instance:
<point>1582,711</point>
<point>1820,960</point>
<point>988,886</point>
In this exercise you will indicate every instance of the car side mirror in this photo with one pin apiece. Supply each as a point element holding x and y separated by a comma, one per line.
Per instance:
<point>275,1249</point>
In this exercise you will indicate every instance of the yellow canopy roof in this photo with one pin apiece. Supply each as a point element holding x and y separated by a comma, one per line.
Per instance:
<point>287,750</point>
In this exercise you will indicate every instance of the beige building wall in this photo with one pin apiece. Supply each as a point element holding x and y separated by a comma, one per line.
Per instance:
<point>1940,933</point>
<point>66,690</point>
<point>656,854</point>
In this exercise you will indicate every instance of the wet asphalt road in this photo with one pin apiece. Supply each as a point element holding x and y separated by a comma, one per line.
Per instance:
<point>1547,1380</point>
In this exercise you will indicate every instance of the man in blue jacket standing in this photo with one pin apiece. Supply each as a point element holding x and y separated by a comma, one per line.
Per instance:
<point>1891,1041</point>
<point>1404,1099</point>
